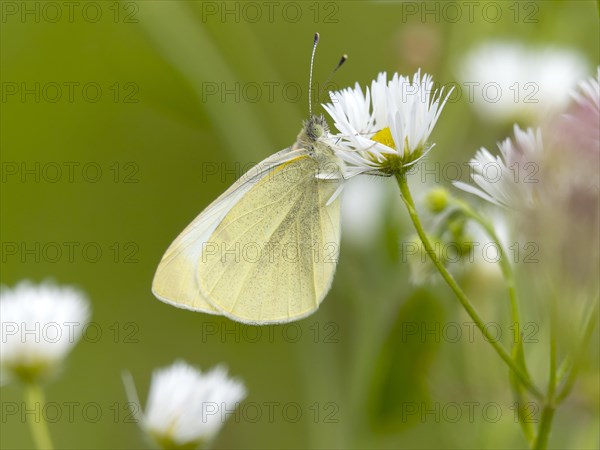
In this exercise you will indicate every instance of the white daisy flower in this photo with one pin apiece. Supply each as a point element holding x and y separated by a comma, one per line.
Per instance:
<point>186,408</point>
<point>40,326</point>
<point>506,81</point>
<point>511,178</point>
<point>386,128</point>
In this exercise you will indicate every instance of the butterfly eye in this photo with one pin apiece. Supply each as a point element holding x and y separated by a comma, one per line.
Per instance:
<point>316,130</point>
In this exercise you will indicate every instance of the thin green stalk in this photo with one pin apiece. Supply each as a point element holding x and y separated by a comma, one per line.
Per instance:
<point>34,396</point>
<point>523,413</point>
<point>549,407</point>
<point>574,370</point>
<point>518,352</point>
<point>458,292</point>
<point>509,278</point>
<point>554,400</point>
<point>552,378</point>
<point>545,426</point>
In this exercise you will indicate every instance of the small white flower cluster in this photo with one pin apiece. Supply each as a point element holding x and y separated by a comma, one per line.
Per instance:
<point>511,187</point>
<point>387,128</point>
<point>42,323</point>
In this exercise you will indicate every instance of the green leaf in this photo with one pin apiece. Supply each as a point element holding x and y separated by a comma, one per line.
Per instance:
<point>399,391</point>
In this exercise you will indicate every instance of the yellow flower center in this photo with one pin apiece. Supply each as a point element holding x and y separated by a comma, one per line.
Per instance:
<point>392,163</point>
<point>384,136</point>
<point>397,161</point>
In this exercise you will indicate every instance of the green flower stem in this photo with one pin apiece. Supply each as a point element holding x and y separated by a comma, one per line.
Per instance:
<point>34,396</point>
<point>518,352</point>
<point>458,292</point>
<point>554,400</point>
<point>523,409</point>
<point>574,371</point>
<point>552,380</point>
<point>541,440</point>
<point>509,277</point>
<point>545,425</point>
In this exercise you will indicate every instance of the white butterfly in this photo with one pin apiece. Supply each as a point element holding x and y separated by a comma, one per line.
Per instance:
<point>266,250</point>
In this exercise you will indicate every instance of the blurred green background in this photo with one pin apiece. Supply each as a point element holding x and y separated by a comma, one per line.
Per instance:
<point>156,133</point>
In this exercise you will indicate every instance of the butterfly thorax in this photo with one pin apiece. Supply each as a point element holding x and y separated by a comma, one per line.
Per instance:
<point>314,138</point>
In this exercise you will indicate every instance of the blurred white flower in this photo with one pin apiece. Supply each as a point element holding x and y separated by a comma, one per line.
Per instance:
<point>421,269</point>
<point>40,325</point>
<point>579,129</point>
<point>509,179</point>
<point>510,82</point>
<point>568,218</point>
<point>363,209</point>
<point>387,128</point>
<point>486,253</point>
<point>185,407</point>
<point>588,94</point>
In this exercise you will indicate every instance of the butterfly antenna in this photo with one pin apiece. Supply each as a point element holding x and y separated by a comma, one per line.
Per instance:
<point>343,59</point>
<point>312,60</point>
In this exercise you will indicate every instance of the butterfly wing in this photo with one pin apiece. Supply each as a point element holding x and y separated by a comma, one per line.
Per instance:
<point>272,257</point>
<point>175,279</point>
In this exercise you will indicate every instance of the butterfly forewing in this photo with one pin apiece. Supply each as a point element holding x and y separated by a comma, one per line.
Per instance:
<point>272,257</point>
<point>175,279</point>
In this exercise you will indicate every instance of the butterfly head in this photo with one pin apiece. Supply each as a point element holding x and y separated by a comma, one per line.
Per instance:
<point>314,129</point>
